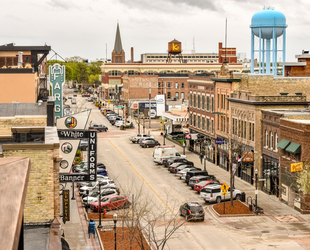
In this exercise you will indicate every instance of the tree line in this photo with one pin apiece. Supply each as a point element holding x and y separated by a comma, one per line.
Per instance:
<point>79,70</point>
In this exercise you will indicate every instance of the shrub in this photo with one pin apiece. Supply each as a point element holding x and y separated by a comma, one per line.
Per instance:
<point>78,153</point>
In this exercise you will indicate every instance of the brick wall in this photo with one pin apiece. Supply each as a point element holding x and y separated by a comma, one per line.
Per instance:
<point>42,199</point>
<point>7,123</point>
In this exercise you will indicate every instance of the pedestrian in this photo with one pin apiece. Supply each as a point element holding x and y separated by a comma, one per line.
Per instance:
<point>91,227</point>
<point>201,157</point>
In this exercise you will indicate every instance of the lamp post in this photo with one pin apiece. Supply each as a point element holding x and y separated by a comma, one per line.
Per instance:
<point>256,191</point>
<point>115,220</point>
<point>99,226</point>
<point>205,162</point>
<point>164,134</point>
<point>184,144</point>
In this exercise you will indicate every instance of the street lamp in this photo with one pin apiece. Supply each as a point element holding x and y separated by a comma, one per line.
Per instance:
<point>100,226</point>
<point>115,220</point>
<point>205,162</point>
<point>164,134</point>
<point>256,191</point>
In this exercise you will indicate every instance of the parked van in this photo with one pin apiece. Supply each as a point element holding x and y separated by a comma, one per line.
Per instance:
<point>190,174</point>
<point>162,153</point>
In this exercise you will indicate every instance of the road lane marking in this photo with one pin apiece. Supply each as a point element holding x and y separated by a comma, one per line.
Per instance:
<point>149,186</point>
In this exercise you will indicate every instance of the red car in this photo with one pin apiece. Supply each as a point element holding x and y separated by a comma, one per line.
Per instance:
<point>111,202</point>
<point>86,95</point>
<point>203,184</point>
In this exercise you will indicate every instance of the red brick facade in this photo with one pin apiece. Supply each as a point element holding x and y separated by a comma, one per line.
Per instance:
<point>231,54</point>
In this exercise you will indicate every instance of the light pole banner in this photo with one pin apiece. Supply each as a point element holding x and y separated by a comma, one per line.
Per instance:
<point>57,76</point>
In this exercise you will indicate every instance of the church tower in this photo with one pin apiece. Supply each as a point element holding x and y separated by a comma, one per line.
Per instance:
<point>118,54</point>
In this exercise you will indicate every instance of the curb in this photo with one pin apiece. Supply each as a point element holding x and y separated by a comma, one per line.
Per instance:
<point>228,215</point>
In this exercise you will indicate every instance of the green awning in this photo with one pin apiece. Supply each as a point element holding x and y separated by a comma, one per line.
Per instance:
<point>283,144</point>
<point>293,148</point>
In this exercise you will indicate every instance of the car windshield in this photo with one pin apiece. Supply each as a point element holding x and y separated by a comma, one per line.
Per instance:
<point>91,184</point>
<point>94,194</point>
<point>203,183</point>
<point>195,208</point>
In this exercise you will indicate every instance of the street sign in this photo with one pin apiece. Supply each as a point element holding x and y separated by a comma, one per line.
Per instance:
<point>219,141</point>
<point>224,187</point>
<point>109,101</point>
<point>106,229</point>
<point>119,106</point>
<point>152,113</point>
<point>261,179</point>
<point>224,193</point>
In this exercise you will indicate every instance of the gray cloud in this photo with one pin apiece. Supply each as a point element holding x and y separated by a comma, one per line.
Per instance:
<point>66,5</point>
<point>170,5</point>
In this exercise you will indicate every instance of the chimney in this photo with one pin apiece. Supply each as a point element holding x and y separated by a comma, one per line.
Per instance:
<point>131,54</point>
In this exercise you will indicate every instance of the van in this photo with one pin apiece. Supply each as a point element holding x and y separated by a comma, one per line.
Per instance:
<point>162,153</point>
<point>190,174</point>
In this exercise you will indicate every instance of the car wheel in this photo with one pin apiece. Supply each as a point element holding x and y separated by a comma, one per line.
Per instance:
<point>218,199</point>
<point>203,218</point>
<point>187,218</point>
<point>126,205</point>
<point>238,197</point>
<point>180,213</point>
<point>192,187</point>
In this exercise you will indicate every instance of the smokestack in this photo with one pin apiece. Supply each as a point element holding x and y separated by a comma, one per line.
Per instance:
<point>131,54</point>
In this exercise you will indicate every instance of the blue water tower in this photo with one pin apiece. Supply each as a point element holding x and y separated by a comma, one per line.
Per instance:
<point>267,25</point>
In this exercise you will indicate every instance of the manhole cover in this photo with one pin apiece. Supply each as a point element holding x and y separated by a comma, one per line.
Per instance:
<point>265,232</point>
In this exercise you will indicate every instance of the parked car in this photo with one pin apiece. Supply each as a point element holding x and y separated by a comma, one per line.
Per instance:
<point>174,166</point>
<point>181,167</point>
<point>73,101</point>
<point>162,153</point>
<point>190,174</point>
<point>83,145</point>
<point>202,184</point>
<point>198,178</point>
<point>121,123</point>
<point>98,127</point>
<point>93,185</point>
<point>168,162</point>
<point>181,174</point>
<point>85,95</point>
<point>149,143</point>
<point>115,120</point>
<point>192,211</point>
<point>135,138</point>
<point>213,193</point>
<point>141,140</point>
<point>111,202</point>
<point>69,97</point>
<point>94,196</point>
<point>89,99</point>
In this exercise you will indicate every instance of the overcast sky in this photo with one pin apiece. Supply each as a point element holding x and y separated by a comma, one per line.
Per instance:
<point>85,27</point>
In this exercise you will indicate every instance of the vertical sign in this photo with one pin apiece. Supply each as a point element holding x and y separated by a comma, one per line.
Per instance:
<point>65,205</point>
<point>57,76</point>
<point>92,155</point>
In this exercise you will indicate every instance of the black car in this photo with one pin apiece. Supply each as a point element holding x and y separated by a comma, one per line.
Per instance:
<point>192,211</point>
<point>149,143</point>
<point>99,127</point>
<point>177,159</point>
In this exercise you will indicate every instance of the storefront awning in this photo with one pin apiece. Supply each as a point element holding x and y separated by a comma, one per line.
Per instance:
<point>283,144</point>
<point>293,148</point>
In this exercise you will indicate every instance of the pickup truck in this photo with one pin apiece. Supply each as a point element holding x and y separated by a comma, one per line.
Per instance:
<point>136,138</point>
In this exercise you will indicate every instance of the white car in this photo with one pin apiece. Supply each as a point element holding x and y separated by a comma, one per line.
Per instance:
<point>95,185</point>
<point>214,193</point>
<point>94,196</point>
<point>121,123</point>
<point>136,138</point>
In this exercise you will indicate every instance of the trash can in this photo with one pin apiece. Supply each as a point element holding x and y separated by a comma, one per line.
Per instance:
<point>243,196</point>
<point>250,207</point>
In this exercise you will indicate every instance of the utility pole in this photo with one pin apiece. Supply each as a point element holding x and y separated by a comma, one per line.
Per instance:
<point>150,96</point>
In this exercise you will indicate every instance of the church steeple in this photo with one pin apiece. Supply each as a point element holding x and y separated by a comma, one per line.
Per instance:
<point>118,54</point>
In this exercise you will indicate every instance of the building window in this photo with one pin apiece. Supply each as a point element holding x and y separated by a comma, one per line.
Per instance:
<point>212,126</point>
<point>191,100</point>
<point>227,104</point>
<point>114,73</point>
<point>271,140</point>
<point>182,85</point>
<point>198,121</point>
<point>194,120</point>
<point>159,85</point>
<point>182,96</point>
<point>208,103</point>
<point>198,101</point>
<point>276,138</point>
<point>191,119</point>
<point>212,104</point>
<point>176,85</point>
<point>227,129</point>
<point>266,138</point>
<point>222,123</point>
<point>203,123</point>
<point>194,100</point>
<point>169,95</point>
<point>177,95</point>
<point>169,85</point>
<point>208,124</point>
<point>218,101</point>
<point>245,128</point>
<point>203,102</point>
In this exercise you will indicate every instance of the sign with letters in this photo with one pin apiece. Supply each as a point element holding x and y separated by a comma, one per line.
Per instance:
<point>57,77</point>
<point>296,167</point>
<point>66,205</point>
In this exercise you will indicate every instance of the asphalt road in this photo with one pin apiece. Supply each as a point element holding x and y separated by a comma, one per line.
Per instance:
<point>133,170</point>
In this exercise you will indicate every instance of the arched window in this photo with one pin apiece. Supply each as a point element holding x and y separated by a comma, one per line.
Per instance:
<point>276,139</point>
<point>271,140</point>
<point>266,138</point>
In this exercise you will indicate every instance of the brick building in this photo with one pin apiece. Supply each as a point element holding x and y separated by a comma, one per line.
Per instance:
<point>301,68</point>
<point>227,54</point>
